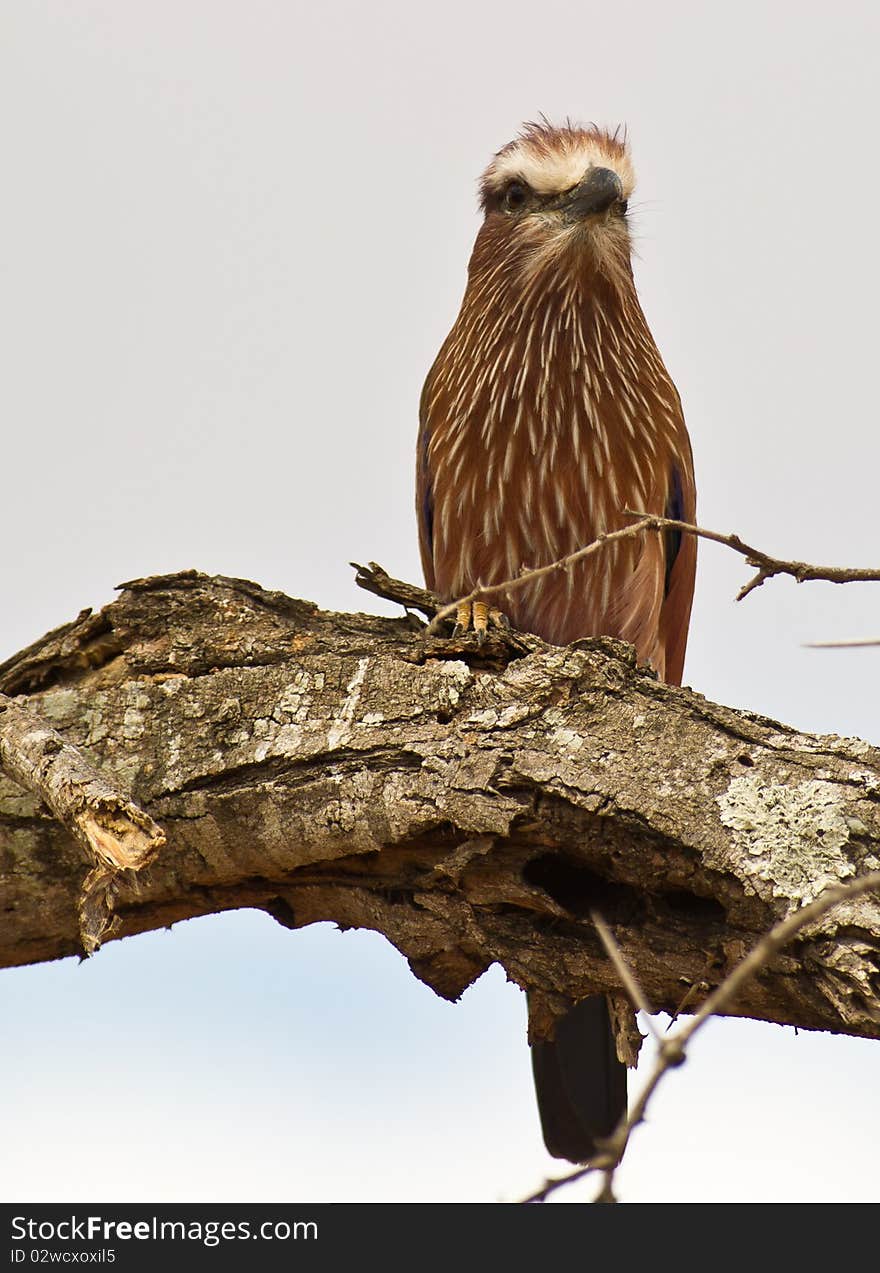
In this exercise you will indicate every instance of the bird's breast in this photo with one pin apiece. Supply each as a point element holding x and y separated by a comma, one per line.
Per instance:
<point>535,461</point>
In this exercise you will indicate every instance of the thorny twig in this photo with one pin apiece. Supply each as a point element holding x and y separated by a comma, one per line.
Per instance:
<point>671,1050</point>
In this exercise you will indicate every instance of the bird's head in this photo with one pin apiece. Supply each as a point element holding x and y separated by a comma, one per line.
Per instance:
<point>557,197</point>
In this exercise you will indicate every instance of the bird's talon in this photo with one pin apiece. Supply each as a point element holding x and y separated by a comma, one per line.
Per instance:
<point>479,618</point>
<point>462,618</point>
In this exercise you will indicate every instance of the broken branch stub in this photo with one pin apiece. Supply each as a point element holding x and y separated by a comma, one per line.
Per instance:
<point>116,835</point>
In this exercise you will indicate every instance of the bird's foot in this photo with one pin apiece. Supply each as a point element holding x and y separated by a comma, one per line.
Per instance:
<point>482,635</point>
<point>481,616</point>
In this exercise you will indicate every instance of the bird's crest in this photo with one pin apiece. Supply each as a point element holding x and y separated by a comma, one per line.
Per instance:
<point>551,159</point>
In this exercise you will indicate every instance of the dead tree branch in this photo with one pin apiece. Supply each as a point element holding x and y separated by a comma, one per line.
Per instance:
<point>475,808</point>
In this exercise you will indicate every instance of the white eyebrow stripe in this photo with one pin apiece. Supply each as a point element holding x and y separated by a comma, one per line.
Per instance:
<point>558,170</point>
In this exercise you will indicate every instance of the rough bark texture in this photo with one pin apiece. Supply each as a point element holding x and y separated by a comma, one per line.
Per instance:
<point>115,833</point>
<point>473,808</point>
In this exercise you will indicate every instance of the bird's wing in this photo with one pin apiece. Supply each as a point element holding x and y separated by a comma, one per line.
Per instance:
<point>680,552</point>
<point>425,486</point>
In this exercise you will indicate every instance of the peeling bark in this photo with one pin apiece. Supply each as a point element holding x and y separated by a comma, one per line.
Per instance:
<point>474,804</point>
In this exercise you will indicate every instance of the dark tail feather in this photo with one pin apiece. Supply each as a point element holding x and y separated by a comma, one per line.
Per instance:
<point>580,1083</point>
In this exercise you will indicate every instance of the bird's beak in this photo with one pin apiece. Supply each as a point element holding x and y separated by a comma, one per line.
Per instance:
<point>599,189</point>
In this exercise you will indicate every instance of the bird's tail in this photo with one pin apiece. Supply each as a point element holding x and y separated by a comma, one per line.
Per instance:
<point>580,1083</point>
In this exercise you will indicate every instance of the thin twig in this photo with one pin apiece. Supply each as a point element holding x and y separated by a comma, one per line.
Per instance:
<point>671,1051</point>
<point>528,576</point>
<point>765,565</point>
<point>856,643</point>
<point>696,988</point>
<point>630,985</point>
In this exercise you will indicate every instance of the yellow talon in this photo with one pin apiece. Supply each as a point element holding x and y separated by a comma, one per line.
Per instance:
<point>479,616</point>
<point>462,618</point>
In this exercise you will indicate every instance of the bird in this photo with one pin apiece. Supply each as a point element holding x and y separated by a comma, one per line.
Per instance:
<point>547,413</point>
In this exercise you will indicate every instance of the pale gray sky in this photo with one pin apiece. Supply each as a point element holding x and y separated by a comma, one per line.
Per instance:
<point>232,238</point>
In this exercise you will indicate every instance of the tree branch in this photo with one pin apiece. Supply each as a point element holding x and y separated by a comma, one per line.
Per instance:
<point>474,808</point>
<point>372,578</point>
<point>766,565</point>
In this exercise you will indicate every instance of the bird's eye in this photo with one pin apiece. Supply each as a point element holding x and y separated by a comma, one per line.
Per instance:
<point>515,196</point>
